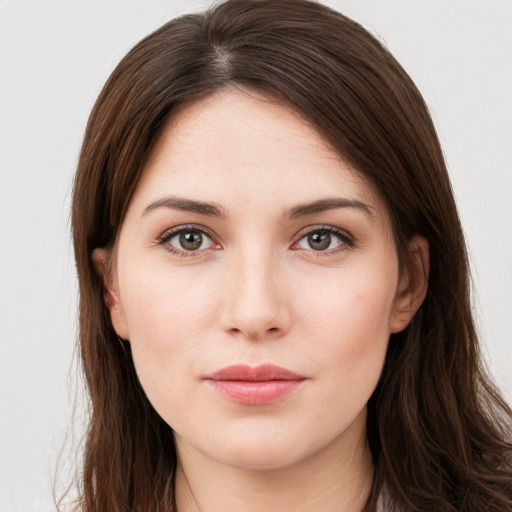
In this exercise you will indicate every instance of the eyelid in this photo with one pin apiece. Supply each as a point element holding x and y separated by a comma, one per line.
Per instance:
<point>170,233</point>
<point>346,238</point>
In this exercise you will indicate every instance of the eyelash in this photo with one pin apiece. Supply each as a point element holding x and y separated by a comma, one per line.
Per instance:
<point>347,241</point>
<point>168,235</point>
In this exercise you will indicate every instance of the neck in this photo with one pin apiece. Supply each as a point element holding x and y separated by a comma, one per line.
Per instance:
<point>336,479</point>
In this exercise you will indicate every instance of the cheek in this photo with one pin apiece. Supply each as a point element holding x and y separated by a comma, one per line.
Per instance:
<point>167,315</point>
<point>350,323</point>
<point>160,303</point>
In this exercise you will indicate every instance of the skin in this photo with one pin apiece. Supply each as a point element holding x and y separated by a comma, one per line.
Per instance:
<point>259,291</point>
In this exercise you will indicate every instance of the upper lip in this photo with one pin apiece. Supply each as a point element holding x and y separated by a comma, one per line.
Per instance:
<point>261,373</point>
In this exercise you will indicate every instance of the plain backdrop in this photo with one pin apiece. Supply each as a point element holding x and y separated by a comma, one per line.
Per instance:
<point>54,58</point>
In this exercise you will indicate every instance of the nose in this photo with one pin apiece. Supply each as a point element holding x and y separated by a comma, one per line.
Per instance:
<point>255,305</point>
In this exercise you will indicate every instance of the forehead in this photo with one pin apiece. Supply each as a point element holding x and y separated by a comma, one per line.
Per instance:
<point>243,144</point>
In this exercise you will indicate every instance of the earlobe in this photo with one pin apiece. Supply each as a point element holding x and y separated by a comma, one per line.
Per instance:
<point>102,264</point>
<point>413,285</point>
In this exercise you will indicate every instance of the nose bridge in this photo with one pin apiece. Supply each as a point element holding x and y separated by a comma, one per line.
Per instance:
<point>256,304</point>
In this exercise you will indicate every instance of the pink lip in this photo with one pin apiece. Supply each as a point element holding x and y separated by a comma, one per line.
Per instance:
<point>260,385</point>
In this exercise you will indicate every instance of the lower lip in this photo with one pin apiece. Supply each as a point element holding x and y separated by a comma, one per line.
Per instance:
<point>255,393</point>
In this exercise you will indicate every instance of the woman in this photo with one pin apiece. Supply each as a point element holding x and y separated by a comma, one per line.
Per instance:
<point>274,297</point>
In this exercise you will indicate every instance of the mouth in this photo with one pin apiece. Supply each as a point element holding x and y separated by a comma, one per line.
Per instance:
<point>260,385</point>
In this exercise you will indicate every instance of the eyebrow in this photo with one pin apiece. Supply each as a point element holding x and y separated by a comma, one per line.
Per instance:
<point>186,205</point>
<point>323,205</point>
<point>215,210</point>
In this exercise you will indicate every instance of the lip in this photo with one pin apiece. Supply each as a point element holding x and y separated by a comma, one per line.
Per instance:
<point>260,385</point>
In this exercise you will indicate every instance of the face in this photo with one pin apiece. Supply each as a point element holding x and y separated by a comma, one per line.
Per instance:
<point>257,280</point>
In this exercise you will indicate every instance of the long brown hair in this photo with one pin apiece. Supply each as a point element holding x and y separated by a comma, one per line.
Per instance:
<point>439,431</point>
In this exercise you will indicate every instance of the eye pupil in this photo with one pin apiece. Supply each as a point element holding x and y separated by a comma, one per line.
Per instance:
<point>319,241</point>
<point>191,240</point>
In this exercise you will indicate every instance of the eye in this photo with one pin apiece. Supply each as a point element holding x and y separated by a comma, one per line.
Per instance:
<point>186,240</point>
<point>324,239</point>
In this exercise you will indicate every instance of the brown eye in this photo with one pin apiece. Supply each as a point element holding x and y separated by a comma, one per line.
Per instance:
<point>324,240</point>
<point>188,240</point>
<point>319,241</point>
<point>191,240</point>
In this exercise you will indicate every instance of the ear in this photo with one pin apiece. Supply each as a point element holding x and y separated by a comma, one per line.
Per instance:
<point>413,285</point>
<point>101,261</point>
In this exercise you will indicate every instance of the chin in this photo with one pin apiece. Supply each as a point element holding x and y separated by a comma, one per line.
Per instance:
<point>260,446</point>
<point>262,456</point>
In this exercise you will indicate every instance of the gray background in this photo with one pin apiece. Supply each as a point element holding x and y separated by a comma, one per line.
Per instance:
<point>54,58</point>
